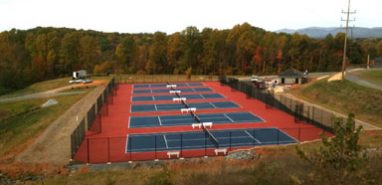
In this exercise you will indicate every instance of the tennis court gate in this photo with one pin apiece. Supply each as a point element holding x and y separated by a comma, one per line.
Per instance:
<point>92,120</point>
<point>300,110</point>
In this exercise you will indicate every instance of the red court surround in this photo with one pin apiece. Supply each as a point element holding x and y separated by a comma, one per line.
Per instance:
<point>109,145</point>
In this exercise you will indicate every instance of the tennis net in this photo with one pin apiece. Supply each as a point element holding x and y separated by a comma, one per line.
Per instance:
<point>212,138</point>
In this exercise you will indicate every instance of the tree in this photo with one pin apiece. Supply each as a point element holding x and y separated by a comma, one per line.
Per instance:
<point>192,47</point>
<point>174,52</point>
<point>340,159</point>
<point>157,57</point>
<point>89,52</point>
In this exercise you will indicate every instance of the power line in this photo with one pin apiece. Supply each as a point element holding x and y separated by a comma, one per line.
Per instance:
<point>347,20</point>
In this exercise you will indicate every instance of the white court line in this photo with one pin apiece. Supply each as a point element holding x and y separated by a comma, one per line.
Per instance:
<point>297,141</point>
<point>127,144</point>
<point>262,120</point>
<point>212,105</point>
<point>155,106</point>
<point>153,98</point>
<point>160,122</point>
<point>246,131</point>
<point>165,140</point>
<point>128,122</point>
<point>228,118</point>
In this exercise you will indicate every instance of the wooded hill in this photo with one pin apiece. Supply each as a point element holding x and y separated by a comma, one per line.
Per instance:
<point>45,53</point>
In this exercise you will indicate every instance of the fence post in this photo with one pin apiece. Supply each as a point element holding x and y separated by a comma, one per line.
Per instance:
<point>230,141</point>
<point>88,150</point>
<point>129,147</point>
<point>108,150</point>
<point>205,144</point>
<point>181,145</point>
<point>155,147</point>
<point>278,136</point>
<point>299,134</point>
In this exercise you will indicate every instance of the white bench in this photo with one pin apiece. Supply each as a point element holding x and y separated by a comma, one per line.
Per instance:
<point>172,92</point>
<point>207,124</point>
<point>173,153</point>
<point>183,99</point>
<point>171,86</point>
<point>176,99</point>
<point>221,150</point>
<point>182,110</point>
<point>196,125</point>
<point>175,91</point>
<point>193,109</point>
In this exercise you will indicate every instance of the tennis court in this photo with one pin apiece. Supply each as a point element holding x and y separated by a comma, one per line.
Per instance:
<point>201,140</point>
<point>188,119</point>
<point>163,85</point>
<point>170,97</point>
<point>168,107</point>
<point>180,120</point>
<point>183,90</point>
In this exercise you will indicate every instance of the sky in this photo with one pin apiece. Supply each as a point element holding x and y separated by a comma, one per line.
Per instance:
<point>137,16</point>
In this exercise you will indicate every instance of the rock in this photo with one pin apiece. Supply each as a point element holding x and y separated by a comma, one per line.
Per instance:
<point>242,154</point>
<point>49,103</point>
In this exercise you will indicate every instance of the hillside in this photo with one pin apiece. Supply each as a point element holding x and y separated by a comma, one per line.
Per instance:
<point>345,97</point>
<point>322,32</point>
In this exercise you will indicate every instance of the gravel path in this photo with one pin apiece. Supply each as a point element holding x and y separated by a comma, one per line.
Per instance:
<point>353,77</point>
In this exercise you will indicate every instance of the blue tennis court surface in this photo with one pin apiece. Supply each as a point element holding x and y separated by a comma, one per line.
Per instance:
<point>170,97</point>
<point>200,140</point>
<point>183,90</point>
<point>192,84</point>
<point>164,107</point>
<point>187,119</point>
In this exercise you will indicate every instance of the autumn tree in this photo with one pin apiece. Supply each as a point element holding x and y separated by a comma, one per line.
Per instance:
<point>157,55</point>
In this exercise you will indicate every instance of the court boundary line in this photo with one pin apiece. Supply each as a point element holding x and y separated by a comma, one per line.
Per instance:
<point>262,119</point>
<point>165,140</point>
<point>252,137</point>
<point>160,121</point>
<point>212,105</point>
<point>296,140</point>
<point>128,122</point>
<point>230,119</point>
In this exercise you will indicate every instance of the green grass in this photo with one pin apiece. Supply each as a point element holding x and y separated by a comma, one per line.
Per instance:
<point>45,86</point>
<point>16,131</point>
<point>345,97</point>
<point>39,87</point>
<point>374,76</point>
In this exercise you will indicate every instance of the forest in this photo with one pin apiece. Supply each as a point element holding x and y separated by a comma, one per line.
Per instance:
<point>28,56</point>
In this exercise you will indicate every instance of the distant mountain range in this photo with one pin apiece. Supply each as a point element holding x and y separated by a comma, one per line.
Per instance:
<point>321,32</point>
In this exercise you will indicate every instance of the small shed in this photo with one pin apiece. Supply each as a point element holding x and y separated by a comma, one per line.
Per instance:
<point>292,76</point>
<point>81,74</point>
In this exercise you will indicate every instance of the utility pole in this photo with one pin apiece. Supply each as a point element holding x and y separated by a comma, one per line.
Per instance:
<point>347,20</point>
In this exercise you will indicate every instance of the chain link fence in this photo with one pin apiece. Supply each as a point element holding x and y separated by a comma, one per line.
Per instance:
<point>93,118</point>
<point>124,149</point>
<point>299,109</point>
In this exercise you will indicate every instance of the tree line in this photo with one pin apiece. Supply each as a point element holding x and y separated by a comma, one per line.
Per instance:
<point>27,56</point>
